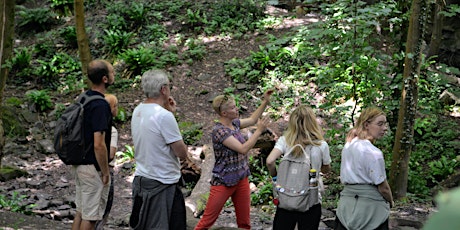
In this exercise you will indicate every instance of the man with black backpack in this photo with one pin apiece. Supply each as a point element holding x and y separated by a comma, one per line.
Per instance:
<point>92,177</point>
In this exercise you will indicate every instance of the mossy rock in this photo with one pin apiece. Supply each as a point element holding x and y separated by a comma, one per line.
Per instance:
<point>12,123</point>
<point>9,172</point>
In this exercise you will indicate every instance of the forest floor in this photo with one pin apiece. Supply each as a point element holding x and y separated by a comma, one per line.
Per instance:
<point>189,81</point>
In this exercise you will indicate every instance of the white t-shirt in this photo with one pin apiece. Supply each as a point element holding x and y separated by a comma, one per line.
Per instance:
<point>362,163</point>
<point>319,154</point>
<point>153,128</point>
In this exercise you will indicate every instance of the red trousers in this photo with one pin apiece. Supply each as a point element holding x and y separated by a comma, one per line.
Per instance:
<point>240,194</point>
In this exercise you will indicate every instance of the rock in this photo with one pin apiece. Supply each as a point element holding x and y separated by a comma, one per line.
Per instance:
<point>41,204</point>
<point>37,184</point>
<point>9,172</point>
<point>46,146</point>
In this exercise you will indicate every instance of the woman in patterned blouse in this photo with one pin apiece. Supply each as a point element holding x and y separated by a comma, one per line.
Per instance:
<point>231,168</point>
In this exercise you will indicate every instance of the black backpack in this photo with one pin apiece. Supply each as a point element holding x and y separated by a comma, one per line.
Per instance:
<point>69,135</point>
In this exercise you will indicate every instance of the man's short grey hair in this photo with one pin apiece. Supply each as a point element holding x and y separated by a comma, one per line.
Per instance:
<point>152,81</point>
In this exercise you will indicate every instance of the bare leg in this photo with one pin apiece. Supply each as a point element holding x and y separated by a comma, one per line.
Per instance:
<point>76,221</point>
<point>87,225</point>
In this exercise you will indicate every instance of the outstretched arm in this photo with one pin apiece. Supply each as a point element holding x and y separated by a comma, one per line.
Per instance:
<point>246,122</point>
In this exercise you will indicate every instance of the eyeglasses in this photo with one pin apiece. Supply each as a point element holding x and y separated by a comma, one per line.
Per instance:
<point>222,102</point>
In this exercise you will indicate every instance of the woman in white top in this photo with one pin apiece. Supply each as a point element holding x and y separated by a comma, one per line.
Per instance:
<point>366,199</point>
<point>303,129</point>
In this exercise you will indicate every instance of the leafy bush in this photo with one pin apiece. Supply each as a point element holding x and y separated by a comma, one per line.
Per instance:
<point>121,115</point>
<point>44,47</point>
<point>195,49</point>
<point>128,16</point>
<point>15,203</point>
<point>14,101</point>
<point>146,57</point>
<point>69,34</point>
<point>128,155</point>
<point>435,151</point>
<point>191,132</point>
<point>117,40</point>
<point>259,176</point>
<point>62,7</point>
<point>225,17</point>
<point>20,63</point>
<point>60,69</point>
<point>41,99</point>
<point>39,19</point>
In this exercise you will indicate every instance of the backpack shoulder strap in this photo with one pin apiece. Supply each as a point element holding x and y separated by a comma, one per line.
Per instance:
<point>88,99</point>
<point>307,155</point>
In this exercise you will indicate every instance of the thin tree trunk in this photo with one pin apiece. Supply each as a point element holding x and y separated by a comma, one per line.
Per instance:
<point>438,22</point>
<point>6,52</point>
<point>409,96</point>
<point>82,37</point>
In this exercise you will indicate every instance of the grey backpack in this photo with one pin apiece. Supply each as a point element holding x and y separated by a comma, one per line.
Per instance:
<point>69,135</point>
<point>292,187</point>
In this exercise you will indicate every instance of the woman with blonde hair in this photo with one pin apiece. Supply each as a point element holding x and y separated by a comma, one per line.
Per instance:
<point>231,168</point>
<point>366,198</point>
<point>303,129</point>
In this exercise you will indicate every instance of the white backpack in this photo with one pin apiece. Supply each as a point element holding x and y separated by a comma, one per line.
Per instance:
<point>292,187</point>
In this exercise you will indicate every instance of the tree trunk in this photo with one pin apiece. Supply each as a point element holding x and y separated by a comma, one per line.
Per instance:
<point>82,37</point>
<point>438,22</point>
<point>409,96</point>
<point>6,52</point>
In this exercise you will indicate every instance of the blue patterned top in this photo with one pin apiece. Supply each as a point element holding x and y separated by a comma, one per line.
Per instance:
<point>230,166</point>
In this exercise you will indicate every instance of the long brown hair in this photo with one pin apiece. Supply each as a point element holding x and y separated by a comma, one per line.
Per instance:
<point>303,129</point>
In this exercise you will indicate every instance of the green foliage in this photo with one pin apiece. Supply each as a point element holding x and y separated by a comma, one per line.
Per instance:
<point>12,124</point>
<point>196,50</point>
<point>332,196</point>
<point>41,99</point>
<point>21,58</point>
<point>443,166</point>
<point>121,115</point>
<point>44,47</point>
<point>117,40</point>
<point>147,56</point>
<point>191,132</point>
<point>130,15</point>
<point>62,7</point>
<point>38,19</point>
<point>15,203</point>
<point>69,34</point>
<point>60,69</point>
<point>451,11</point>
<point>13,101</point>
<point>128,155</point>
<point>260,177</point>
<point>20,64</point>
<point>155,32</point>
<point>435,151</point>
<point>225,17</point>
<point>137,12</point>
<point>59,110</point>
